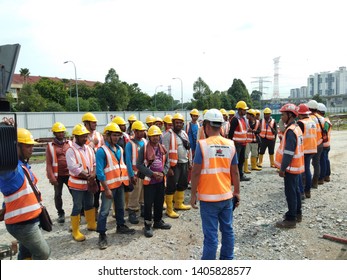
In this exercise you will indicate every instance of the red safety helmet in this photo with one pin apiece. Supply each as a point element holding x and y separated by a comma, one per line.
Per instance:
<point>303,109</point>
<point>289,107</point>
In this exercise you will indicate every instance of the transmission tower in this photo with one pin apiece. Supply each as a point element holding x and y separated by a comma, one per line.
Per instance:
<point>276,92</point>
<point>260,81</point>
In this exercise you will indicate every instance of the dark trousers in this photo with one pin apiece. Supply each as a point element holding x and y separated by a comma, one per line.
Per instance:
<point>293,195</point>
<point>269,144</point>
<point>240,150</point>
<point>154,198</point>
<point>58,192</point>
<point>324,164</point>
<point>179,181</point>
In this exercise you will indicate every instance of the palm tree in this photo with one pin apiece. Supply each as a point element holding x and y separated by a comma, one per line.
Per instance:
<point>24,72</point>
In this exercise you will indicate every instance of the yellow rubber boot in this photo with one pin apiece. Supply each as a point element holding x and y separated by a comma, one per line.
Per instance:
<point>75,225</point>
<point>169,207</point>
<point>260,161</point>
<point>90,218</point>
<point>245,167</point>
<point>272,161</point>
<point>254,164</point>
<point>179,199</point>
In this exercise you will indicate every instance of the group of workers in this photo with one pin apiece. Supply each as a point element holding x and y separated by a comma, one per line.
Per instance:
<point>146,168</point>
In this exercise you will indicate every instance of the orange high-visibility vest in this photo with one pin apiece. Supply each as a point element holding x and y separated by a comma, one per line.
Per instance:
<point>135,153</point>
<point>240,133</point>
<point>266,132</point>
<point>116,172</point>
<point>74,181</point>
<point>22,205</point>
<point>215,179</point>
<point>201,133</point>
<point>52,149</point>
<point>297,165</point>
<point>309,136</point>
<point>251,138</point>
<point>327,144</point>
<point>173,155</point>
<point>315,118</point>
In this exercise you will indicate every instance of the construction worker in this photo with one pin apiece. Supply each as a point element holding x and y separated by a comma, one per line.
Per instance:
<point>309,132</point>
<point>226,124</point>
<point>267,133</point>
<point>238,133</point>
<point>192,129</point>
<point>201,132</point>
<point>324,159</point>
<point>153,163</point>
<point>132,148</point>
<point>257,114</point>
<point>253,141</point>
<point>215,170</point>
<point>159,122</point>
<point>167,123</point>
<point>176,141</point>
<point>231,114</point>
<point>56,167</point>
<point>150,120</point>
<point>95,141</point>
<point>80,159</point>
<point>131,120</point>
<point>290,161</point>
<point>319,121</point>
<point>113,175</point>
<point>22,208</point>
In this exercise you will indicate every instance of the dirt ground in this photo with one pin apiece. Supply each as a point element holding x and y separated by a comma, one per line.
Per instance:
<point>262,204</point>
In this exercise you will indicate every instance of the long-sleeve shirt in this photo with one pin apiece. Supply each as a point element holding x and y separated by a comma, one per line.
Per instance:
<point>129,155</point>
<point>101,160</point>
<point>290,146</point>
<point>74,167</point>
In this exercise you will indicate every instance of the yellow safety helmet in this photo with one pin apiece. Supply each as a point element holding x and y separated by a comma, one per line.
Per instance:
<point>168,119</point>
<point>158,119</point>
<point>138,125</point>
<point>58,127</point>
<point>178,116</point>
<point>24,136</point>
<point>89,117</point>
<point>267,111</point>
<point>257,112</point>
<point>252,112</point>
<point>241,105</point>
<point>223,111</point>
<point>112,127</point>
<point>204,112</point>
<point>132,118</point>
<point>194,112</point>
<point>119,120</point>
<point>231,112</point>
<point>79,129</point>
<point>150,119</point>
<point>154,130</point>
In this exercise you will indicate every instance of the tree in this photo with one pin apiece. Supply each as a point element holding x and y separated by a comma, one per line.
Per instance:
<point>24,72</point>
<point>52,90</point>
<point>256,97</point>
<point>201,94</point>
<point>29,100</point>
<point>238,92</point>
<point>162,102</point>
<point>138,101</point>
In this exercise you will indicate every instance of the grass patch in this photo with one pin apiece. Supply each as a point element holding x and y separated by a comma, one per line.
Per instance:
<point>38,159</point>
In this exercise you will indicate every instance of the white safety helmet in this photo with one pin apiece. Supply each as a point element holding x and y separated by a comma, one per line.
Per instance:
<point>321,107</point>
<point>312,104</point>
<point>215,117</point>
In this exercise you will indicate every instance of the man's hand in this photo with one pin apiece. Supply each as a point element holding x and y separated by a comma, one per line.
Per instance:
<point>133,180</point>
<point>170,172</point>
<point>193,199</point>
<point>282,173</point>
<point>108,193</point>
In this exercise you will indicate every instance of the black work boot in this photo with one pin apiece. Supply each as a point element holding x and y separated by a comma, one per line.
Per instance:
<point>244,178</point>
<point>61,218</point>
<point>161,225</point>
<point>286,224</point>
<point>133,218</point>
<point>124,229</point>
<point>147,230</point>
<point>102,241</point>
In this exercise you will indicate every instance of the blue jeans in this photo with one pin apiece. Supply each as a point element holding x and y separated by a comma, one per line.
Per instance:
<point>213,213</point>
<point>31,241</point>
<point>106,203</point>
<point>307,175</point>
<point>81,199</point>
<point>293,195</point>
<point>324,164</point>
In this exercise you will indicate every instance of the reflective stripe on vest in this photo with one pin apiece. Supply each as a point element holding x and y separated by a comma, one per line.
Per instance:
<point>53,152</point>
<point>265,132</point>
<point>297,164</point>
<point>135,152</point>
<point>240,133</point>
<point>75,182</point>
<point>309,136</point>
<point>215,179</point>
<point>173,156</point>
<point>116,172</point>
<point>251,138</point>
<point>315,118</point>
<point>22,205</point>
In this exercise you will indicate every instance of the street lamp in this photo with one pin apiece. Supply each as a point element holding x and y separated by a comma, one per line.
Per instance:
<point>181,89</point>
<point>78,104</point>
<point>155,96</point>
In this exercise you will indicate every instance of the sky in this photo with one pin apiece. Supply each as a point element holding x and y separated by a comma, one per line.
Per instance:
<point>149,42</point>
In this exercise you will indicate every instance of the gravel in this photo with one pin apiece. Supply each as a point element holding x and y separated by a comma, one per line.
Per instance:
<point>256,238</point>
